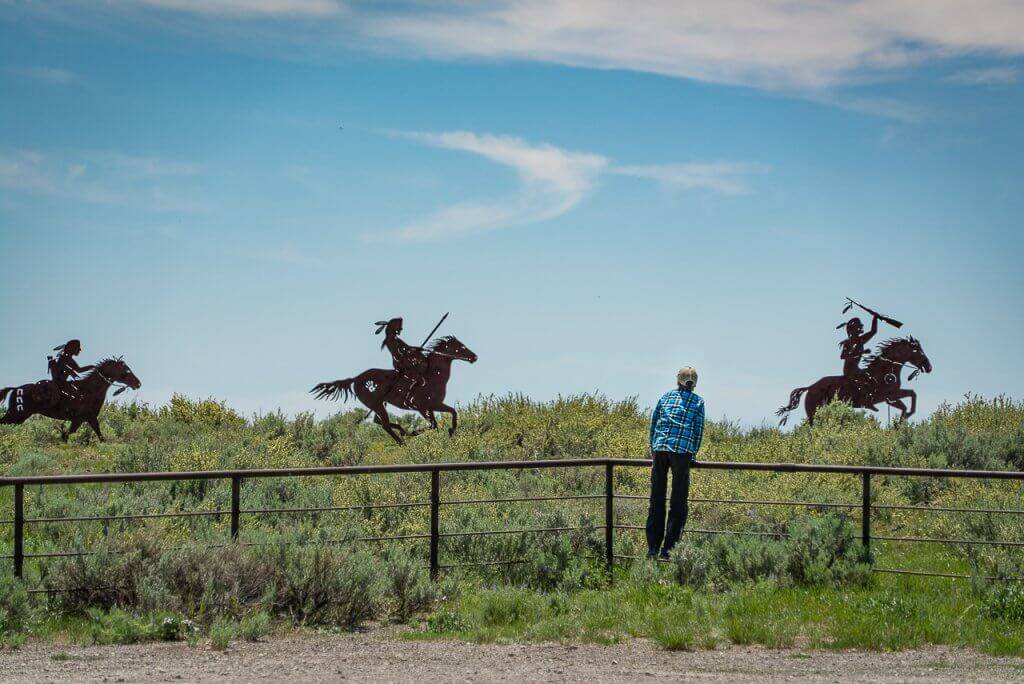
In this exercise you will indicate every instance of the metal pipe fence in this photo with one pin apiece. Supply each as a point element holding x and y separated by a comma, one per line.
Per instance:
<point>863,474</point>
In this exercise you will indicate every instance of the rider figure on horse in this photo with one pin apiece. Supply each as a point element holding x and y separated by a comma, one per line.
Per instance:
<point>409,361</point>
<point>63,366</point>
<point>852,349</point>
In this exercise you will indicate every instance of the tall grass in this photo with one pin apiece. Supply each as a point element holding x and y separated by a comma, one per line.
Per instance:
<point>191,435</point>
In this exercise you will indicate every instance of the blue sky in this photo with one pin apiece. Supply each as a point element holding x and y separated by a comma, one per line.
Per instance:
<point>599,195</point>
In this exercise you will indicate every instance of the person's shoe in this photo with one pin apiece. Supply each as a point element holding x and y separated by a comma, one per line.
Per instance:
<point>651,555</point>
<point>663,555</point>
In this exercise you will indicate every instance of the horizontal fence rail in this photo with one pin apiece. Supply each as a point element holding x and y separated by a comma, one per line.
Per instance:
<point>236,478</point>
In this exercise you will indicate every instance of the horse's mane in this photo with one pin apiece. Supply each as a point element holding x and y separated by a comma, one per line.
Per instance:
<point>885,346</point>
<point>440,341</point>
<point>99,364</point>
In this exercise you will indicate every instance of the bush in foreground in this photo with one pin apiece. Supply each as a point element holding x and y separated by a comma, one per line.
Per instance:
<point>814,551</point>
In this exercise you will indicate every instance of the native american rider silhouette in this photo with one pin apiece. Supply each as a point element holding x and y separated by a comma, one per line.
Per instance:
<point>63,366</point>
<point>852,349</point>
<point>878,381</point>
<point>409,361</point>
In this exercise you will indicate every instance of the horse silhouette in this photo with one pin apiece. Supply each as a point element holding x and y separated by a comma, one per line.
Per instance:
<point>90,392</point>
<point>883,380</point>
<point>377,387</point>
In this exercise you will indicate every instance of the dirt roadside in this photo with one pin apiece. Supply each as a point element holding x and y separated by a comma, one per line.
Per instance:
<point>367,657</point>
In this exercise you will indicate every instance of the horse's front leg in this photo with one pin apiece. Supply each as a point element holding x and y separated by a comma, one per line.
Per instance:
<point>94,423</point>
<point>455,418</point>
<point>385,423</point>
<point>75,424</point>
<point>903,394</point>
<point>428,415</point>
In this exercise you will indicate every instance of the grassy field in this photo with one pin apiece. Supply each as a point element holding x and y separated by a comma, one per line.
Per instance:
<point>715,590</point>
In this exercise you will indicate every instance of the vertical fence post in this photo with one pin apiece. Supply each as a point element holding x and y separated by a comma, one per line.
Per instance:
<point>435,511</point>
<point>609,517</point>
<point>865,514</point>
<point>236,499</point>
<point>19,529</point>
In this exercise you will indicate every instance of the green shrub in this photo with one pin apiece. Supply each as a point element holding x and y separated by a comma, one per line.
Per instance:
<point>327,586</point>
<point>254,627</point>
<point>824,550</point>
<point>118,626</point>
<point>816,550</point>
<point>203,413</point>
<point>107,578</point>
<point>691,564</point>
<point>174,628</point>
<point>1005,600</point>
<point>745,559</point>
<point>409,587</point>
<point>222,632</point>
<point>15,607</point>
<point>447,622</point>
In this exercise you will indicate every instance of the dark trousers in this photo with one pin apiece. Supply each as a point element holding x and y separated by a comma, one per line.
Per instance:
<point>678,507</point>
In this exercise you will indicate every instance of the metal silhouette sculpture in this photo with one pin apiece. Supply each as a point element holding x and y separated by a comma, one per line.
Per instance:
<point>419,381</point>
<point>878,381</point>
<point>77,400</point>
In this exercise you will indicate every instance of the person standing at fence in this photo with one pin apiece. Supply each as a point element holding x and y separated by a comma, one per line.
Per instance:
<point>677,428</point>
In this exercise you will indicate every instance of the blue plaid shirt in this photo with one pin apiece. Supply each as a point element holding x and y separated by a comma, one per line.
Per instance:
<point>678,423</point>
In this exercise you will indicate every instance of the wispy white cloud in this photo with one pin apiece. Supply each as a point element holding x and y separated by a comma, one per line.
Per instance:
<point>43,74</point>
<point>775,44</point>
<point>723,177</point>
<point>1005,75</point>
<point>813,49</point>
<point>551,182</point>
<point>246,8</point>
<point>98,177</point>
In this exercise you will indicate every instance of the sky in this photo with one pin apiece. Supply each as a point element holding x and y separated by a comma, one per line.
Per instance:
<point>229,193</point>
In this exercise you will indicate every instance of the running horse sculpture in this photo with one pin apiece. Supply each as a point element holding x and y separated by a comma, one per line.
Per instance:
<point>879,381</point>
<point>83,404</point>
<point>425,393</point>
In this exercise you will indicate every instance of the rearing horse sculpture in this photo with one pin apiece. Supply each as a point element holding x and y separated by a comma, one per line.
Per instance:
<point>377,387</point>
<point>883,374</point>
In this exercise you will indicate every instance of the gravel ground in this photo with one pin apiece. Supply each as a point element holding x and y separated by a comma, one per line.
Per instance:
<point>368,657</point>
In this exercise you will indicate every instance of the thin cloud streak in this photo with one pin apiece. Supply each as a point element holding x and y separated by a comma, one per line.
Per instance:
<point>246,8</point>
<point>104,177</point>
<point>985,77</point>
<point>723,177</point>
<point>552,182</point>
<point>44,74</point>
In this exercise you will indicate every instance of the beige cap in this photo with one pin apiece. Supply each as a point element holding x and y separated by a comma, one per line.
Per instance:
<point>687,377</point>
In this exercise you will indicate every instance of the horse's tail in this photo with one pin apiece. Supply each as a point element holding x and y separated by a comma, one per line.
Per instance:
<point>339,389</point>
<point>794,401</point>
<point>4,392</point>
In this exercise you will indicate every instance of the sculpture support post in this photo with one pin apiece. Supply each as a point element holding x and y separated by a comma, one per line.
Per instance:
<point>236,498</point>
<point>435,510</point>
<point>19,530</point>
<point>609,510</point>
<point>865,514</point>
